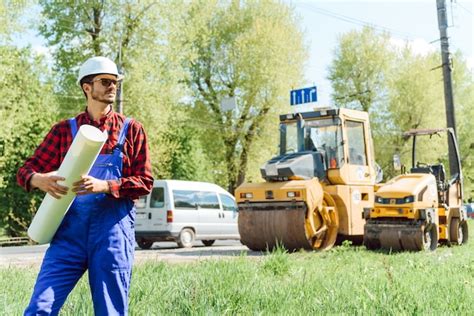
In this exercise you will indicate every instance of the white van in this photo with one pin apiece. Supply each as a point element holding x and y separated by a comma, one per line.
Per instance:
<point>184,211</point>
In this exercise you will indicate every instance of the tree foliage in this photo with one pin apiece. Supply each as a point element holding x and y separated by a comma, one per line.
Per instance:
<point>401,90</point>
<point>359,69</point>
<point>134,35</point>
<point>26,112</point>
<point>251,51</point>
<point>182,58</point>
<point>184,157</point>
<point>202,51</point>
<point>463,82</point>
<point>10,13</point>
<point>76,32</point>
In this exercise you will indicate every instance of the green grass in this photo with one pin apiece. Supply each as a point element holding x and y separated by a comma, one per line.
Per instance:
<point>345,280</point>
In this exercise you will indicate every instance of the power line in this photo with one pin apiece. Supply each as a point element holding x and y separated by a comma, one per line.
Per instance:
<point>357,21</point>
<point>464,8</point>
<point>202,124</point>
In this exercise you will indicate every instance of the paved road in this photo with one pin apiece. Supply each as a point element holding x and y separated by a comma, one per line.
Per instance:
<point>161,251</point>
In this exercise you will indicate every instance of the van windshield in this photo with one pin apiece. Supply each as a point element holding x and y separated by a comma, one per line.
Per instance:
<point>228,204</point>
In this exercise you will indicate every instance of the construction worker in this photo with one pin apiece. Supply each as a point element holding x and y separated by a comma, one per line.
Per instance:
<point>97,233</point>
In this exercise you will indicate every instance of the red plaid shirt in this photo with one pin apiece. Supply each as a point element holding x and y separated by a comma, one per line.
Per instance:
<point>136,171</point>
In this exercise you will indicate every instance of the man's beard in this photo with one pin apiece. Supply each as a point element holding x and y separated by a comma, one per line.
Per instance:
<point>95,96</point>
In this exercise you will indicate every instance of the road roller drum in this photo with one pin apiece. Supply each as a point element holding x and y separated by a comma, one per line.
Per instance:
<point>399,236</point>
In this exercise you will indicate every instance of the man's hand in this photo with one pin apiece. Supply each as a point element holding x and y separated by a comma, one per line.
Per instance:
<point>88,185</point>
<point>47,182</point>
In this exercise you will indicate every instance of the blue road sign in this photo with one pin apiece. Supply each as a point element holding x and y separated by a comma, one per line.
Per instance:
<point>305,95</point>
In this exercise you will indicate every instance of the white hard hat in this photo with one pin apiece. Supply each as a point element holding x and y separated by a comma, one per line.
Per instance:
<point>98,65</point>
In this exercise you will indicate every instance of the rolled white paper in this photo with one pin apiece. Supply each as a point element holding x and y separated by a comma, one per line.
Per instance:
<point>78,161</point>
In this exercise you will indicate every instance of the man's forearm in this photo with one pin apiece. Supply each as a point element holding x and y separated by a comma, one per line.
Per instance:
<point>131,187</point>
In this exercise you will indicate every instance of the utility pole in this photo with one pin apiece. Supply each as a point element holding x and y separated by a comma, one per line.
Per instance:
<point>120,88</point>
<point>448,86</point>
<point>120,96</point>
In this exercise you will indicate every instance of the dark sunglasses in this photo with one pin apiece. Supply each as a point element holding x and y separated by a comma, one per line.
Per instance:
<point>107,82</point>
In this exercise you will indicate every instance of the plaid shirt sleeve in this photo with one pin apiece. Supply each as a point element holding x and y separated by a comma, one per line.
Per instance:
<point>46,158</point>
<point>137,179</point>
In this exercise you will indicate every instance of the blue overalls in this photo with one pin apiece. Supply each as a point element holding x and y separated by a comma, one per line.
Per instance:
<point>97,234</point>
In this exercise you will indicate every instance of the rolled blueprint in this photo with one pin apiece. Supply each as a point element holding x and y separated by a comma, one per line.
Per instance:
<point>78,161</point>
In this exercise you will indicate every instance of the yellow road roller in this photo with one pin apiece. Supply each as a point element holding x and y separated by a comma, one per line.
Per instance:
<point>316,189</point>
<point>418,210</point>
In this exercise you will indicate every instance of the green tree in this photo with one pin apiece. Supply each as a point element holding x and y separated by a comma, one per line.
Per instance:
<point>169,51</point>
<point>251,51</point>
<point>359,77</point>
<point>406,92</point>
<point>26,112</point>
<point>76,31</point>
<point>415,100</point>
<point>136,36</point>
<point>184,158</point>
<point>155,92</point>
<point>359,69</point>
<point>10,13</point>
<point>463,83</point>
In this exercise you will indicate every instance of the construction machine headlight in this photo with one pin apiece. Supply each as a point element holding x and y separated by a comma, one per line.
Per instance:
<point>378,199</point>
<point>246,195</point>
<point>269,195</point>
<point>293,194</point>
<point>409,199</point>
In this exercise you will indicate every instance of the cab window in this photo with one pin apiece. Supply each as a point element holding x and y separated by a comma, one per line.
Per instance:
<point>325,136</point>
<point>228,204</point>
<point>356,142</point>
<point>291,138</point>
<point>157,198</point>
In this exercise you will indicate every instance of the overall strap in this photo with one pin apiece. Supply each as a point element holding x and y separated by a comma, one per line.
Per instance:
<point>73,124</point>
<point>123,132</point>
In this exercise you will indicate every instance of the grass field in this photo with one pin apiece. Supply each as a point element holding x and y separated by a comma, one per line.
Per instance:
<point>345,280</point>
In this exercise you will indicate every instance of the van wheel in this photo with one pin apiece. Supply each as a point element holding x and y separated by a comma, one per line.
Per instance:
<point>208,243</point>
<point>186,238</point>
<point>144,243</point>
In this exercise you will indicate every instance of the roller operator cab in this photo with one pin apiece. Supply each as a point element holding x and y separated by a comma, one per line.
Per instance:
<point>418,210</point>
<point>316,188</point>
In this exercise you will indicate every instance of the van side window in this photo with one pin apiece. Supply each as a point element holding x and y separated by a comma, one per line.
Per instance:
<point>207,200</point>
<point>157,198</point>
<point>228,204</point>
<point>141,202</point>
<point>184,199</point>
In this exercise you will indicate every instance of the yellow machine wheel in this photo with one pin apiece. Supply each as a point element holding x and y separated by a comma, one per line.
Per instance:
<point>322,224</point>
<point>458,233</point>
<point>430,237</point>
